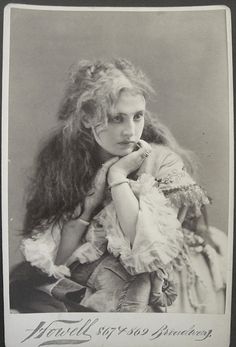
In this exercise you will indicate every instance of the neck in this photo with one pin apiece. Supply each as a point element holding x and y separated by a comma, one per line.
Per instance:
<point>103,155</point>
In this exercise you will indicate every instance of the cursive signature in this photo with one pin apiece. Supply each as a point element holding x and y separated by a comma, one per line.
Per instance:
<point>63,329</point>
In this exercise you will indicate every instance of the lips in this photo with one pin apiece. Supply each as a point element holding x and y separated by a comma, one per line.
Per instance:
<point>126,143</point>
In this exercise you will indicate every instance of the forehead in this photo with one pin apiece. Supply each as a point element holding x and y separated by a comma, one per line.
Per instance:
<point>129,102</point>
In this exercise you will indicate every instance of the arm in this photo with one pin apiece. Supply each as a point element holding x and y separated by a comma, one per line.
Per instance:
<point>126,204</point>
<point>73,230</point>
<point>164,196</point>
<point>71,235</point>
<point>127,208</point>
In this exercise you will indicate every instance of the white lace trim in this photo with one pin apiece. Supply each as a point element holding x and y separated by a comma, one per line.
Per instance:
<point>41,249</point>
<point>158,236</point>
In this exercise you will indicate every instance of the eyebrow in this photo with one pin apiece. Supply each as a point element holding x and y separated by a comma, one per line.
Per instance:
<point>125,114</point>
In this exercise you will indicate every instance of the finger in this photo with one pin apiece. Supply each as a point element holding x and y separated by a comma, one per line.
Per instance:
<point>142,154</point>
<point>144,150</point>
<point>145,145</point>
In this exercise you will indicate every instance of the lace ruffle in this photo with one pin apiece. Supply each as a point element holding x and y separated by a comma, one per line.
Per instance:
<point>40,250</point>
<point>158,236</point>
<point>181,190</point>
<point>190,196</point>
<point>217,264</point>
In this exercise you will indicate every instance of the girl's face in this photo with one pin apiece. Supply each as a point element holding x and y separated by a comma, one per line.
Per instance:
<point>124,127</point>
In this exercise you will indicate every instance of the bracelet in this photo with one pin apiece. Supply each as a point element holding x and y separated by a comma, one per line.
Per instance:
<point>117,183</point>
<point>84,222</point>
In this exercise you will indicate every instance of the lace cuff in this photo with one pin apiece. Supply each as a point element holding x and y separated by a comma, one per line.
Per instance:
<point>40,251</point>
<point>190,196</point>
<point>182,190</point>
<point>117,243</point>
<point>158,233</point>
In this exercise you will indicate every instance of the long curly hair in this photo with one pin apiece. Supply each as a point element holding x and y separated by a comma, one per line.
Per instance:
<point>67,162</point>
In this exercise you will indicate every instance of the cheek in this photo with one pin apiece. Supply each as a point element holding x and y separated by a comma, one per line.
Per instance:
<point>139,128</point>
<point>106,136</point>
<point>111,133</point>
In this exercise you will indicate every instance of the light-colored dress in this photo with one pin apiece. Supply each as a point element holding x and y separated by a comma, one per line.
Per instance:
<point>164,190</point>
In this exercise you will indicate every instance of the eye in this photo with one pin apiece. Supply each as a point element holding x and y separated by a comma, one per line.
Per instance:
<point>116,119</point>
<point>138,116</point>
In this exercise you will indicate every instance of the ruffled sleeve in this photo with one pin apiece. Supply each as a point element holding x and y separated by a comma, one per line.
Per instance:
<point>40,250</point>
<point>158,237</point>
<point>162,189</point>
<point>178,186</point>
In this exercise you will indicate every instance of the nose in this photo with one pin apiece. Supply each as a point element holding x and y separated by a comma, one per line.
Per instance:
<point>128,129</point>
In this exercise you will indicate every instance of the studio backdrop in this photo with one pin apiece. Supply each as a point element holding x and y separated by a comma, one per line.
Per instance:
<point>184,55</point>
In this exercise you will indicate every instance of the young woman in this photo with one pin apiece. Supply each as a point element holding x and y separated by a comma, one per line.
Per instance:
<point>113,215</point>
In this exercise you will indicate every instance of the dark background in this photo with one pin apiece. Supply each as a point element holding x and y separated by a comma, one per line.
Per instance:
<point>188,141</point>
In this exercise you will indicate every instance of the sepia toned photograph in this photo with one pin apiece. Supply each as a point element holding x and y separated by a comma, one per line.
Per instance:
<point>118,172</point>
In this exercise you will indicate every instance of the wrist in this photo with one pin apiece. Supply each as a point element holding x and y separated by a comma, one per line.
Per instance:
<point>117,183</point>
<point>86,215</point>
<point>115,175</point>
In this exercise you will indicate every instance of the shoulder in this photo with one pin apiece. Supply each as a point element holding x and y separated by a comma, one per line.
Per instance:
<point>162,161</point>
<point>163,154</point>
<point>159,149</point>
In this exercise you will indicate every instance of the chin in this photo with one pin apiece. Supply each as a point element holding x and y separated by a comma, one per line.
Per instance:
<point>125,152</point>
<point>119,152</point>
